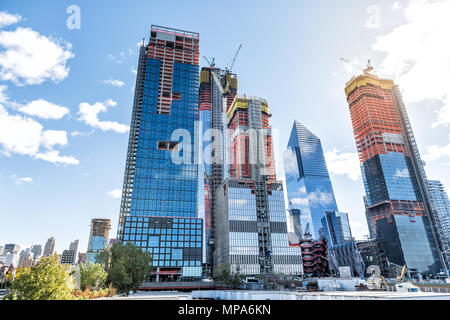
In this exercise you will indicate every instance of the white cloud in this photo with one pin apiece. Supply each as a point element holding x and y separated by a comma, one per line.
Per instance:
<point>418,58</point>
<point>396,6</point>
<point>352,66</point>
<point>290,161</point>
<point>118,59</point>
<point>44,109</point>
<point>51,138</point>
<point>322,197</point>
<point>436,152</point>
<point>31,58</point>
<point>299,201</point>
<point>54,157</point>
<point>343,164</point>
<point>25,136</point>
<point>89,115</point>
<point>402,173</point>
<point>133,70</point>
<point>443,117</point>
<point>7,19</point>
<point>373,21</point>
<point>20,135</point>
<point>116,193</point>
<point>3,97</point>
<point>19,180</point>
<point>77,133</point>
<point>114,82</point>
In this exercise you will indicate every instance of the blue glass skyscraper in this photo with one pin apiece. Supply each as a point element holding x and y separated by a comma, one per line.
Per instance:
<point>337,227</point>
<point>307,180</point>
<point>159,198</point>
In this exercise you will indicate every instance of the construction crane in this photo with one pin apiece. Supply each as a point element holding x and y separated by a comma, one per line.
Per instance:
<point>234,59</point>
<point>369,67</point>
<point>366,70</point>
<point>224,91</point>
<point>402,275</point>
<point>211,64</point>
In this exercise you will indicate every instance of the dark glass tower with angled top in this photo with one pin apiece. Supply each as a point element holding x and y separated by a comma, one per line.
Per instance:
<point>307,180</point>
<point>159,199</point>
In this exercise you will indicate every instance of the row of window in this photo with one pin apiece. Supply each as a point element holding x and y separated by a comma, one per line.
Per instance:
<point>162,263</point>
<point>162,244</point>
<point>143,222</point>
<point>165,231</point>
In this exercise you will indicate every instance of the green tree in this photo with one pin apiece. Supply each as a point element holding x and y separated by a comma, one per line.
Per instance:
<point>93,276</point>
<point>127,266</point>
<point>49,280</point>
<point>223,273</point>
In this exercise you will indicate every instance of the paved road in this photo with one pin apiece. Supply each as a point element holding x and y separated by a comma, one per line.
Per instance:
<point>153,296</point>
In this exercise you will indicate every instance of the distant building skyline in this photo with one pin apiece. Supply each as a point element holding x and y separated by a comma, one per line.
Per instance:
<point>36,250</point>
<point>49,247</point>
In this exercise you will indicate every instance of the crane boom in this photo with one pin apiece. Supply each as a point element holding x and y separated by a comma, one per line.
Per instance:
<point>235,56</point>
<point>212,63</point>
<point>219,85</point>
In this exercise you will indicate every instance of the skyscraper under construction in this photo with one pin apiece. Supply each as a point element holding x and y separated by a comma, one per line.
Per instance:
<point>159,199</point>
<point>399,210</point>
<point>213,168</point>
<point>251,223</point>
<point>98,239</point>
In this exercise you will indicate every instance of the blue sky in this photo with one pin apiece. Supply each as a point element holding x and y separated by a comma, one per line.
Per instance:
<point>71,101</point>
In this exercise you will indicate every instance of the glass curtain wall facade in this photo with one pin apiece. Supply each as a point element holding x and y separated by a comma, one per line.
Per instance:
<point>400,213</point>
<point>251,220</point>
<point>98,238</point>
<point>308,183</point>
<point>159,198</point>
<point>337,227</point>
<point>246,243</point>
<point>442,205</point>
<point>213,168</point>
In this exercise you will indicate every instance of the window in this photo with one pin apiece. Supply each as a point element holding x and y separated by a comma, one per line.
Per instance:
<point>153,241</point>
<point>167,145</point>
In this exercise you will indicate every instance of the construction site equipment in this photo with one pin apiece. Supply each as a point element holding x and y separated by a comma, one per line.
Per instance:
<point>402,275</point>
<point>406,287</point>
<point>234,58</point>
<point>211,64</point>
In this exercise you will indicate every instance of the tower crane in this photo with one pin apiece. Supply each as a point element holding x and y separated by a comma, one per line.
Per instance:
<point>234,58</point>
<point>212,64</point>
<point>366,70</point>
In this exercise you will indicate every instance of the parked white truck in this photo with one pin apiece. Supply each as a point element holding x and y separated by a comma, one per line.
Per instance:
<point>406,287</point>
